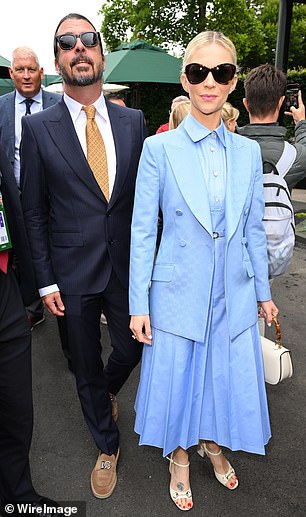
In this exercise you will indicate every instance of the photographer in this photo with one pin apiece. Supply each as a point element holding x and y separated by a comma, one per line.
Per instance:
<point>265,88</point>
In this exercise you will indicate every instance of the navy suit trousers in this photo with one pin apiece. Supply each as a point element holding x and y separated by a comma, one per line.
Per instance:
<point>94,380</point>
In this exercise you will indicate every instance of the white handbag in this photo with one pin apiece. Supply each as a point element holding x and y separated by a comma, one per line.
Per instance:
<point>276,358</point>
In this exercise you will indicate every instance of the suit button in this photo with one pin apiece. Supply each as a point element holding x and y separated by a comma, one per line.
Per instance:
<point>111,241</point>
<point>183,243</point>
<point>108,215</point>
<point>178,212</point>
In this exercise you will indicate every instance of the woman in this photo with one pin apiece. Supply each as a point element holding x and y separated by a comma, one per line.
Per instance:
<point>195,305</point>
<point>178,114</point>
<point>229,115</point>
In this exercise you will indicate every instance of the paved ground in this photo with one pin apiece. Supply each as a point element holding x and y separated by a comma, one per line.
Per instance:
<point>63,453</point>
<point>299,205</point>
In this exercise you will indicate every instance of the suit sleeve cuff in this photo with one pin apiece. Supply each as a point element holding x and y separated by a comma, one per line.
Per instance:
<point>48,289</point>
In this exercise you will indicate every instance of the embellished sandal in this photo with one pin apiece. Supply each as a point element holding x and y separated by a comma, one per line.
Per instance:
<point>224,479</point>
<point>176,495</point>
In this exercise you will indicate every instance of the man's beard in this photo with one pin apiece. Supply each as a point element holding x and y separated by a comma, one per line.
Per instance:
<point>85,79</point>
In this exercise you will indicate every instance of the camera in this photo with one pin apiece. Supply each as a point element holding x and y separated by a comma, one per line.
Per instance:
<point>291,98</point>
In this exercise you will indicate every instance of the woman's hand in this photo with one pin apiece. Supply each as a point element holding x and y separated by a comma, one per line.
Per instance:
<point>268,310</point>
<point>141,328</point>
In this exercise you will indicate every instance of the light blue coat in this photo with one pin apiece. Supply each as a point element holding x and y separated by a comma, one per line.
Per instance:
<point>175,288</point>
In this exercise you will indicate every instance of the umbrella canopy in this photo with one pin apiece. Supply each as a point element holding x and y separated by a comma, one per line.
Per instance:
<point>109,88</point>
<point>139,62</point>
<point>4,64</point>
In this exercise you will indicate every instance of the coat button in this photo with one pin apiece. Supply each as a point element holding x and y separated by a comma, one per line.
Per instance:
<point>178,212</point>
<point>183,243</point>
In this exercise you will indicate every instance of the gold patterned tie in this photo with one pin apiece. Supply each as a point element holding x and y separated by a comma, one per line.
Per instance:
<point>96,153</point>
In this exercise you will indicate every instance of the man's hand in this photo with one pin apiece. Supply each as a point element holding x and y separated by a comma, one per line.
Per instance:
<point>54,303</point>
<point>298,114</point>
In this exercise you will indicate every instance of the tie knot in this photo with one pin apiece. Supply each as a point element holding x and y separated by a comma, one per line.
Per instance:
<point>90,111</point>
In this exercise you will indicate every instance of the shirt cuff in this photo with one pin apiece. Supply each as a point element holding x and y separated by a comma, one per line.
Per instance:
<point>48,290</point>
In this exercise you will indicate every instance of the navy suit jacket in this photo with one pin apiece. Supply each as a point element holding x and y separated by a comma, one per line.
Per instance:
<point>7,119</point>
<point>75,235</point>
<point>13,210</point>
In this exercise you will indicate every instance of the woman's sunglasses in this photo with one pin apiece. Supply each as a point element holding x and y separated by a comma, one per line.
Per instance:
<point>222,74</point>
<point>68,41</point>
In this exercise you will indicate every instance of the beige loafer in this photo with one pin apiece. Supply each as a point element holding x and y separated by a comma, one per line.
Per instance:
<point>104,475</point>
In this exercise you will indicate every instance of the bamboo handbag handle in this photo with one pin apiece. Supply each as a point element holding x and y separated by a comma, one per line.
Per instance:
<point>278,331</point>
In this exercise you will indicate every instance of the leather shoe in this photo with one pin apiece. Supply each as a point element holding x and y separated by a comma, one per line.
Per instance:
<point>104,476</point>
<point>35,320</point>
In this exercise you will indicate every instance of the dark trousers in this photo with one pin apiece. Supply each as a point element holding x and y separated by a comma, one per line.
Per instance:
<point>36,308</point>
<point>16,408</point>
<point>94,381</point>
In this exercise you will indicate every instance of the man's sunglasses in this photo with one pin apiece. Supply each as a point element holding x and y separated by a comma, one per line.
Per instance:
<point>222,74</point>
<point>68,41</point>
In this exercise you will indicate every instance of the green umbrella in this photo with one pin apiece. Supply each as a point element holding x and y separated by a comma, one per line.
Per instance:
<point>139,62</point>
<point>4,64</point>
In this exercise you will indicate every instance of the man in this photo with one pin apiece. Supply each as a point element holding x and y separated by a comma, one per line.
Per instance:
<point>16,409</point>
<point>265,88</point>
<point>78,213</point>
<point>28,97</point>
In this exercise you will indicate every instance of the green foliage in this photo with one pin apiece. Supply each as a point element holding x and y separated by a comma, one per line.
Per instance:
<point>171,24</point>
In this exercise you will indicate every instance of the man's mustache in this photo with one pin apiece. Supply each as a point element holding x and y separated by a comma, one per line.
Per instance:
<point>81,59</point>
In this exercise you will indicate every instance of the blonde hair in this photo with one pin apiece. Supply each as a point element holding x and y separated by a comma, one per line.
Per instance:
<point>206,38</point>
<point>229,113</point>
<point>24,52</point>
<point>178,113</point>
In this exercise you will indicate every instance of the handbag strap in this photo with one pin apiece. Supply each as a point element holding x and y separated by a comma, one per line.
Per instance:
<point>278,332</point>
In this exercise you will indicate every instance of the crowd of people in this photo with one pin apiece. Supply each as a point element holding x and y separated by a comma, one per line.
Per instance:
<point>98,218</point>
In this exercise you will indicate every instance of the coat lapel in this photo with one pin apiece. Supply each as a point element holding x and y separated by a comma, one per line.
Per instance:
<point>189,177</point>
<point>239,167</point>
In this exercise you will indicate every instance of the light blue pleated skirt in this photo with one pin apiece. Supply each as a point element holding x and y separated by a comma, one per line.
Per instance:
<point>213,390</point>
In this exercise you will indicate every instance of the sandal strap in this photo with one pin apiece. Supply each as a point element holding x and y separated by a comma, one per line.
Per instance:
<point>209,452</point>
<point>177,464</point>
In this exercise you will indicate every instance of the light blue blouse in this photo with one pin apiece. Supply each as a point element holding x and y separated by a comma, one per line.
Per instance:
<point>210,146</point>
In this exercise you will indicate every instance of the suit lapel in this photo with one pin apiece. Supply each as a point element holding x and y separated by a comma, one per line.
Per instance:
<point>64,136</point>
<point>122,131</point>
<point>10,130</point>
